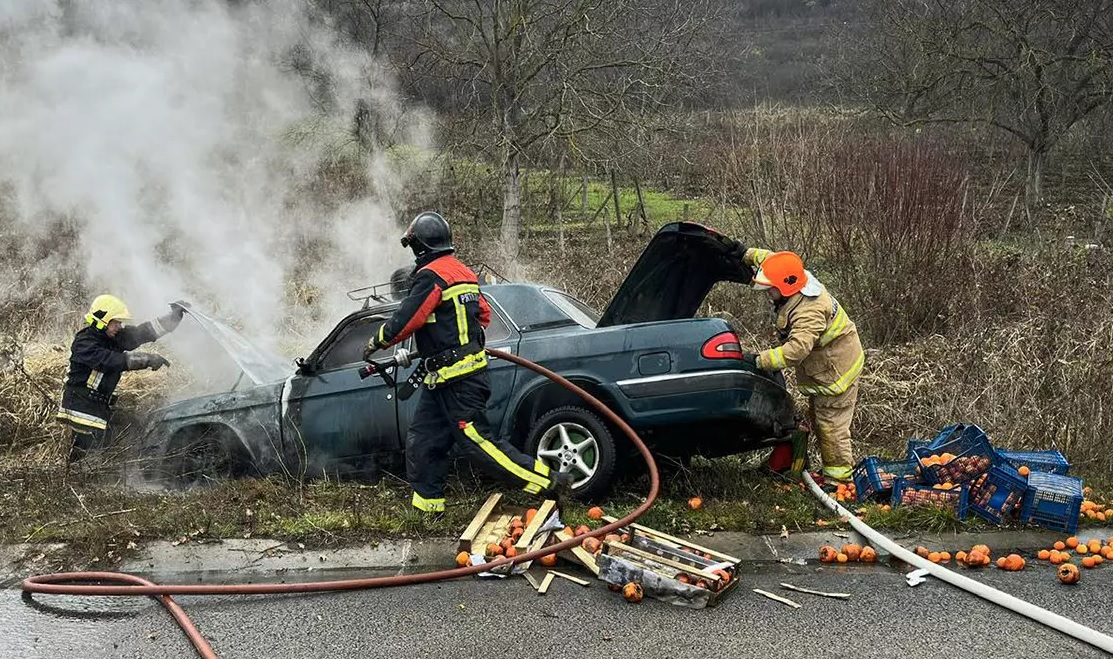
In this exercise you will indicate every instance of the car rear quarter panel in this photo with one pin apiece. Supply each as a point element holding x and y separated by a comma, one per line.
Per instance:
<point>609,355</point>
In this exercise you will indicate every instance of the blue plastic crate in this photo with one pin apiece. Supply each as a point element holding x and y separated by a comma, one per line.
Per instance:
<point>1051,462</point>
<point>874,476</point>
<point>1052,501</point>
<point>914,444</point>
<point>998,494</point>
<point>974,455</point>
<point>908,493</point>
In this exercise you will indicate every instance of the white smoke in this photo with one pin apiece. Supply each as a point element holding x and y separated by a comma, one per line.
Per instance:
<point>177,136</point>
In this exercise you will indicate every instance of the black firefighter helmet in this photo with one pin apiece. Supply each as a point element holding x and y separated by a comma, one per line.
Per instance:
<point>429,233</point>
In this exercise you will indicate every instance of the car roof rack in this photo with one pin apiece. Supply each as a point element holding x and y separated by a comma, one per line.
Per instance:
<point>383,293</point>
<point>368,293</point>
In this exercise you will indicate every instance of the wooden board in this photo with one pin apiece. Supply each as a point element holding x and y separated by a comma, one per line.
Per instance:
<point>545,583</point>
<point>565,575</point>
<point>578,554</point>
<point>532,579</point>
<point>544,511</point>
<point>477,522</point>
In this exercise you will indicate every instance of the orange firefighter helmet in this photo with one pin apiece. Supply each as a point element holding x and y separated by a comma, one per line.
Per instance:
<point>783,271</point>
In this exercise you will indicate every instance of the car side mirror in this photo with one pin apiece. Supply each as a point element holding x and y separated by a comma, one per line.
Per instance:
<point>304,367</point>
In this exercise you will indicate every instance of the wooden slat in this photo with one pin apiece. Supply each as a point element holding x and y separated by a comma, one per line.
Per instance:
<point>569,577</point>
<point>538,543</point>
<point>778,598</point>
<point>532,579</point>
<point>678,541</point>
<point>545,583</point>
<point>809,591</point>
<point>618,546</point>
<point>480,518</point>
<point>490,532</point>
<point>543,512</point>
<point>582,556</point>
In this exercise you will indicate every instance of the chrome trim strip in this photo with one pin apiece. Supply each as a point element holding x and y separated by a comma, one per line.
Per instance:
<point>681,376</point>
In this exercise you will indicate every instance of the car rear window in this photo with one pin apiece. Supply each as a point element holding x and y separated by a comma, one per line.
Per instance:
<point>573,308</point>
<point>531,308</point>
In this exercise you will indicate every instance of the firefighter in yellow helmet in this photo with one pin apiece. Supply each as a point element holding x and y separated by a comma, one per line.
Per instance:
<point>100,353</point>
<point>820,341</point>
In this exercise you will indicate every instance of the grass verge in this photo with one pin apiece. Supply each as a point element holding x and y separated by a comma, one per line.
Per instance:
<point>102,522</point>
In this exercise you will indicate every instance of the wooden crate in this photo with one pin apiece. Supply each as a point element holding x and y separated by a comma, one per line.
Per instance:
<point>655,560</point>
<point>491,523</point>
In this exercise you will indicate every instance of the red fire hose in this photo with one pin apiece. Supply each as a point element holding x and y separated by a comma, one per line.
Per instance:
<point>78,583</point>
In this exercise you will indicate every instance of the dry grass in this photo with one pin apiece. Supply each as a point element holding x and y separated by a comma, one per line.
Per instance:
<point>31,378</point>
<point>1009,331</point>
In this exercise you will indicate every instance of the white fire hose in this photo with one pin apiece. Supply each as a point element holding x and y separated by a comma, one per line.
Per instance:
<point>1027,609</point>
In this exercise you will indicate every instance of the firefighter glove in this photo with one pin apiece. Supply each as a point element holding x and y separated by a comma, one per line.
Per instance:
<point>141,360</point>
<point>749,360</point>
<point>373,346</point>
<point>737,252</point>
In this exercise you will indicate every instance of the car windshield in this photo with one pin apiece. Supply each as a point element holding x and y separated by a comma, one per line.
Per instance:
<point>576,310</point>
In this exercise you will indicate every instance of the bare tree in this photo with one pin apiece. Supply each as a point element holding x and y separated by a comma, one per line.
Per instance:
<point>1031,68</point>
<point>532,72</point>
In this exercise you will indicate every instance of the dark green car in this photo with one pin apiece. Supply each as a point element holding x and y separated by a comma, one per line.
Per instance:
<point>676,379</point>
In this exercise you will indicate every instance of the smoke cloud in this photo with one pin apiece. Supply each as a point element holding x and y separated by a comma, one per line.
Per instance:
<point>235,154</point>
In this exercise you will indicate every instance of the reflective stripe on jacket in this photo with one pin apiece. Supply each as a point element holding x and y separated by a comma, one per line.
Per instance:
<point>817,337</point>
<point>96,364</point>
<point>444,311</point>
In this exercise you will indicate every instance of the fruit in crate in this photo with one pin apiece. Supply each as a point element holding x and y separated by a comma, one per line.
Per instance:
<point>946,498</point>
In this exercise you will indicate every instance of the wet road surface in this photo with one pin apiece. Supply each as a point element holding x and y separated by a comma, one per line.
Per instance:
<point>473,618</point>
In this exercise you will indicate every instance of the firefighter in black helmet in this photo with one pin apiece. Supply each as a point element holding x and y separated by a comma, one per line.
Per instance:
<point>99,355</point>
<point>447,315</point>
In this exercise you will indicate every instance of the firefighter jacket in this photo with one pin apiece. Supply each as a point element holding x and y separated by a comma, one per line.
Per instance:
<point>446,315</point>
<point>96,364</point>
<point>816,337</point>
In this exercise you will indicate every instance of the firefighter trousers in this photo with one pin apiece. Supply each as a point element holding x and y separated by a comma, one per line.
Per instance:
<point>456,413</point>
<point>830,418</point>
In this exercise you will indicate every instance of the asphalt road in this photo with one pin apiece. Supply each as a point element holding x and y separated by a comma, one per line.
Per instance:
<point>470,618</point>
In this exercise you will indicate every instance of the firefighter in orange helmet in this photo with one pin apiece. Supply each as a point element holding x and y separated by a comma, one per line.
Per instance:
<point>820,341</point>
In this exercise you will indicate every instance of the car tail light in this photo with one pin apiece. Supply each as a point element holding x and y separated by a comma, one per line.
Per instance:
<point>722,346</point>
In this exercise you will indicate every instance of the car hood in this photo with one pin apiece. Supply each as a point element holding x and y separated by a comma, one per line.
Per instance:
<point>674,274</point>
<point>259,365</point>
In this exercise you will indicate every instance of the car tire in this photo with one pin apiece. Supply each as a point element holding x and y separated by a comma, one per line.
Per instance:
<point>572,439</point>
<point>199,459</point>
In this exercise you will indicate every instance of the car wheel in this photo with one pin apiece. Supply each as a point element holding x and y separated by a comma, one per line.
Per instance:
<point>575,441</point>
<point>201,459</point>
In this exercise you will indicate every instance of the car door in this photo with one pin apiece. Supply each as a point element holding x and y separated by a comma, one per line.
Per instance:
<point>500,334</point>
<point>336,420</point>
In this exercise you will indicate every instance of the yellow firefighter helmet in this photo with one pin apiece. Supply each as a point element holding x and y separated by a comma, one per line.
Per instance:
<point>106,308</point>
